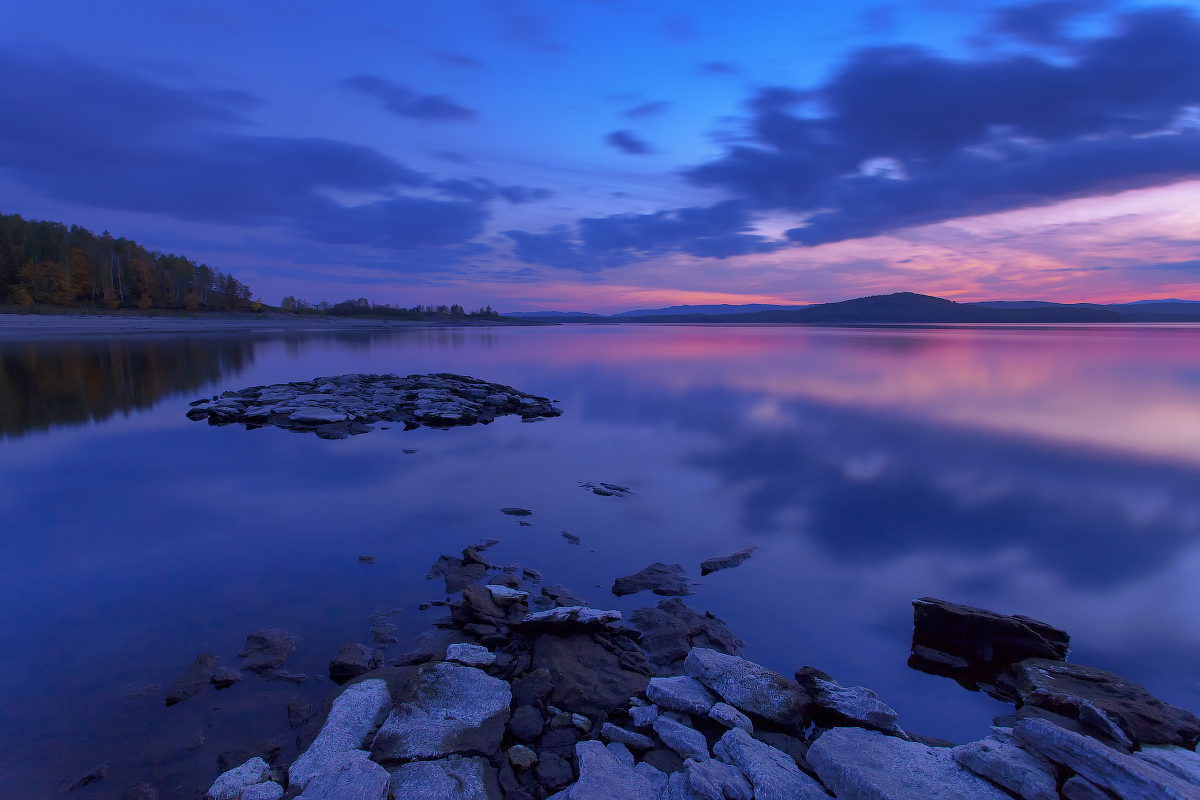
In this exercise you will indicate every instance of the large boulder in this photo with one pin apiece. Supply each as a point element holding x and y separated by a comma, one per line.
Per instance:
<point>230,784</point>
<point>671,629</point>
<point>748,687</point>
<point>354,714</point>
<point>351,776</point>
<point>453,778</point>
<point>858,764</point>
<point>976,647</point>
<point>1104,703</point>
<point>447,709</point>
<point>591,673</point>
<point>773,774</point>
<point>603,776</point>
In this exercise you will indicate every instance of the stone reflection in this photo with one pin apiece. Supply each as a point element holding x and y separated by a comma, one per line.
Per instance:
<point>44,384</point>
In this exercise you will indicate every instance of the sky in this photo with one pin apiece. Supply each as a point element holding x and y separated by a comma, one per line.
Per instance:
<point>606,155</point>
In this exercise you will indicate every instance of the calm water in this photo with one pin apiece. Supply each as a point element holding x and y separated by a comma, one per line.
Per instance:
<point>1048,472</point>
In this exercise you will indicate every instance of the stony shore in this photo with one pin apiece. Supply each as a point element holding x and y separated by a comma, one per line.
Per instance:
<point>523,693</point>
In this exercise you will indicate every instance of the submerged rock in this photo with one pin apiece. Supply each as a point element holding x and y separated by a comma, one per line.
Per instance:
<point>711,565</point>
<point>224,677</point>
<point>266,650</point>
<point>350,662</point>
<point>669,580</point>
<point>93,775</point>
<point>194,680</point>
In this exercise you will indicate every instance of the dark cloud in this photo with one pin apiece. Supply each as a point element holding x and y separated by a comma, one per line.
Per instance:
<point>524,26</point>
<point>82,133</point>
<point>456,60</point>
<point>647,109</point>
<point>481,190</point>
<point>627,143</point>
<point>1042,23</point>
<point>943,138</point>
<point>404,102</point>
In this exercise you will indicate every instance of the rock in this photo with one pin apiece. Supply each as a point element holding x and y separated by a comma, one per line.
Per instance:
<point>516,512</point>
<point>571,616</point>
<point>560,740</point>
<point>447,709</point>
<point>730,717</point>
<point>1105,703</point>
<point>680,694</point>
<point>348,776</point>
<point>366,559</point>
<point>590,672</point>
<point>316,416</point>
<point>266,749</point>
<point>478,606</point>
<point>561,595</point>
<point>350,662</point>
<point>774,775</point>
<point>1124,776</point>
<point>466,575</point>
<point>532,687</point>
<point>836,705</point>
<point>94,775</point>
<point>224,677</point>
<point>299,712</point>
<point>687,742</point>
<point>668,580</point>
<point>453,778</point>
<point>140,791</point>
<point>141,691</point>
<point>974,646</point>
<point>552,770</point>
<point>716,780</point>
<point>471,655</point>
<point>671,629</point>
<point>618,734</point>
<point>194,680</point>
<point>657,778</point>
<point>521,756</point>
<point>526,723</point>
<point>644,716</point>
<point>602,776</point>
<point>354,714</point>
<point>229,784</point>
<point>664,760</point>
<point>725,562</point>
<point>858,763</point>
<point>1077,788</point>
<point>748,687</point>
<point>789,745</point>
<point>581,723</point>
<point>505,596</point>
<point>266,650</point>
<point>1178,761</point>
<point>268,790</point>
<point>1008,765</point>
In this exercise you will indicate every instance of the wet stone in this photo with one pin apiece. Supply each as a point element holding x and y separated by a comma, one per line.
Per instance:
<point>668,580</point>
<point>711,565</point>
<point>266,650</point>
<point>194,680</point>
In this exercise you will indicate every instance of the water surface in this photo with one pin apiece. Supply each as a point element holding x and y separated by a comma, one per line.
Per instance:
<point>1052,472</point>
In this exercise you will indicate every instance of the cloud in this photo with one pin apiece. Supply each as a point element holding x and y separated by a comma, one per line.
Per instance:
<point>481,190</point>
<point>456,60</point>
<point>647,109</point>
<point>404,102</point>
<point>1042,23</point>
<point>627,143</point>
<point>965,137</point>
<point>709,68</point>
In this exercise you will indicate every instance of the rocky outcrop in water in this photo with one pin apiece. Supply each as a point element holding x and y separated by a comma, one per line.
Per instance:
<point>337,407</point>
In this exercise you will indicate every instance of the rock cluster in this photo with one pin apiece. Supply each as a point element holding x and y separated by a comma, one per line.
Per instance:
<point>516,695</point>
<point>335,408</point>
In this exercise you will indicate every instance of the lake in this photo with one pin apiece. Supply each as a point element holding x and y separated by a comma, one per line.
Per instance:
<point>1048,471</point>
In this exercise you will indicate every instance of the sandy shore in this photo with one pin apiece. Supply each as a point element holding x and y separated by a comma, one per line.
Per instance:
<point>41,326</point>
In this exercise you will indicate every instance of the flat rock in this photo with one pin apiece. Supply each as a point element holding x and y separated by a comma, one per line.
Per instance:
<point>266,650</point>
<point>194,680</point>
<point>671,629</point>
<point>748,687</point>
<point>669,580</point>
<point>1124,776</point>
<point>1102,701</point>
<point>680,693</point>
<point>561,595</point>
<point>513,511</point>
<point>836,705</point>
<point>354,714</point>
<point>774,775</point>
<point>615,733</point>
<point>602,776</point>
<point>858,763</point>
<point>711,565</point>
<point>730,717</point>
<point>657,778</point>
<point>1179,761</point>
<point>350,776</point>
<point>590,672</point>
<point>1078,788</point>
<point>571,616</point>
<point>1008,765</point>
<point>687,742</point>
<point>447,709</point>
<point>471,655</point>
<point>644,716</point>
<point>974,646</point>
<point>452,778</point>
<point>715,780</point>
<point>505,596</point>
<point>350,662</point>
<point>229,784</point>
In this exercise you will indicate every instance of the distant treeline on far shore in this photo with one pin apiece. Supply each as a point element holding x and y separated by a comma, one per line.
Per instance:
<point>48,263</point>
<point>362,307</point>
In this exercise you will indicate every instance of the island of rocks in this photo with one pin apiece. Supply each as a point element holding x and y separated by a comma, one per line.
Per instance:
<point>337,407</point>
<point>522,692</point>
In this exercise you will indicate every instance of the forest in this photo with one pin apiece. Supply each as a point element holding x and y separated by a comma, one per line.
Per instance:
<point>48,263</point>
<point>362,307</point>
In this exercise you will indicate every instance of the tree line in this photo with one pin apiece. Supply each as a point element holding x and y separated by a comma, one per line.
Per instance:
<point>362,307</point>
<point>49,263</point>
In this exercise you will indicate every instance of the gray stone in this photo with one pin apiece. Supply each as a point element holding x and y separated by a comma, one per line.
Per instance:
<point>316,416</point>
<point>617,734</point>
<point>730,717</point>
<point>1010,766</point>
<point>581,723</point>
<point>266,650</point>
<point>671,629</point>
<point>350,662</point>
<point>643,716</point>
<point>680,694</point>
<point>687,742</point>
<point>229,785</point>
<point>349,776</point>
<point>710,565</point>
<point>526,723</point>
<point>571,615</point>
<point>1179,761</point>
<point>453,778</point>
<point>716,780</point>
<point>621,753</point>
<point>505,596</point>
<point>747,686</point>
<point>354,714</point>
<point>774,775</point>
<point>194,680</point>
<point>859,764</point>
<point>552,770</point>
<point>668,580</point>
<point>448,709</point>
<point>790,746</point>
<point>837,705</point>
<point>471,655</point>
<point>268,790</point>
<point>657,778</point>
<point>521,756</point>
<point>532,687</point>
<point>603,777</point>
<point>592,672</point>
<point>1125,776</point>
<point>224,677</point>
<point>1077,788</point>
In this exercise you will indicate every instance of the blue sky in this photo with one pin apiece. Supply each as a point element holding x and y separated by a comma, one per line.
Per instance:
<point>605,154</point>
